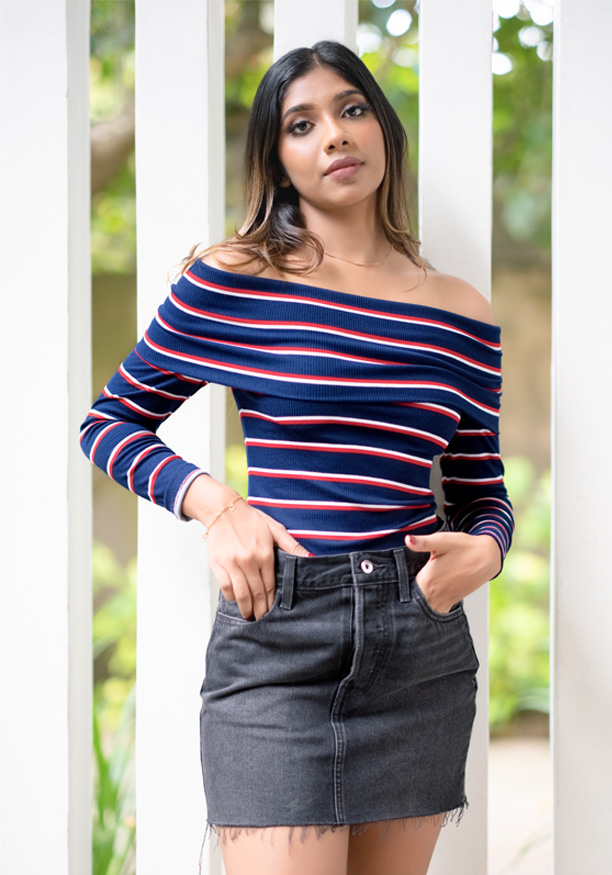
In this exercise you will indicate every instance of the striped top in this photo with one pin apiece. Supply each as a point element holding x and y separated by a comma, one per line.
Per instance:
<point>344,402</point>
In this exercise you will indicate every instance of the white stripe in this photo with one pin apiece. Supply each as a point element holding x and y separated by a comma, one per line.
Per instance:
<point>152,476</point>
<point>374,451</point>
<point>319,329</point>
<point>120,446</point>
<point>351,420</point>
<point>470,456</point>
<point>133,406</point>
<point>317,475</point>
<point>100,437</point>
<point>292,378</point>
<point>287,502</point>
<point>131,380</point>
<point>490,480</point>
<point>389,317</point>
<point>136,462</point>
<point>313,533</point>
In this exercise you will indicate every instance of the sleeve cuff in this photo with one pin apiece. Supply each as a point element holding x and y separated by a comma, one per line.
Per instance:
<point>180,495</point>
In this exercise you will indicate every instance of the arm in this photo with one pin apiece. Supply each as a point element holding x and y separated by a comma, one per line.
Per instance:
<point>479,515</point>
<point>119,435</point>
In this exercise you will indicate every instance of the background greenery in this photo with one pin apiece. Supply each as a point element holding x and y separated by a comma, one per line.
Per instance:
<point>522,159</point>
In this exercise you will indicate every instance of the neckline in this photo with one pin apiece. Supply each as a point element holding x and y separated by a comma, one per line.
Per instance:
<point>232,278</point>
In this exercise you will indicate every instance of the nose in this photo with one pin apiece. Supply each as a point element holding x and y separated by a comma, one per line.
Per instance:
<point>336,136</point>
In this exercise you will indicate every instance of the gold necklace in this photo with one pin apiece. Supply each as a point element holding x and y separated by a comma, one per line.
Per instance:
<point>360,263</point>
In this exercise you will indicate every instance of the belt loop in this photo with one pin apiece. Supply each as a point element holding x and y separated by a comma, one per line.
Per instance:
<point>402,574</point>
<point>288,583</point>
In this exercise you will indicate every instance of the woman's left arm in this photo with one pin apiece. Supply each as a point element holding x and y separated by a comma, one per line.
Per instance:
<point>479,516</point>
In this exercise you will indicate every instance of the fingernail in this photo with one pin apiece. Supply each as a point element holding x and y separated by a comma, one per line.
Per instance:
<point>410,539</point>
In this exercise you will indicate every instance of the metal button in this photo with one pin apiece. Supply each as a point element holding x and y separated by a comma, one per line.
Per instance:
<point>367,567</point>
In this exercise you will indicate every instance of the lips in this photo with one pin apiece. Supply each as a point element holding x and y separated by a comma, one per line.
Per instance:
<point>342,164</point>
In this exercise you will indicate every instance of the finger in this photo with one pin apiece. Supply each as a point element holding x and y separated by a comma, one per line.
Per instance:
<point>287,542</point>
<point>268,577</point>
<point>242,591</point>
<point>225,584</point>
<point>256,586</point>
<point>435,543</point>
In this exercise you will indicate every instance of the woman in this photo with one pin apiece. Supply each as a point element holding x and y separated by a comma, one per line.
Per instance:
<point>340,676</point>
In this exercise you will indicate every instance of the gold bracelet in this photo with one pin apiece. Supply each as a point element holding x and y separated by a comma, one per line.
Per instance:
<point>229,506</point>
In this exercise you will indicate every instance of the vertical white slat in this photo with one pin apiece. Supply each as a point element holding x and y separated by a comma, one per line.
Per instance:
<point>180,202</point>
<point>582,316</point>
<point>45,596</point>
<point>305,22</point>
<point>455,168</point>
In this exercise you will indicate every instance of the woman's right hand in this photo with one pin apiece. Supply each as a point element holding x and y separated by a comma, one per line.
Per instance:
<point>240,545</point>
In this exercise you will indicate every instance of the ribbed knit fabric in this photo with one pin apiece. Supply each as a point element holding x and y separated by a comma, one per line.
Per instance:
<point>344,402</point>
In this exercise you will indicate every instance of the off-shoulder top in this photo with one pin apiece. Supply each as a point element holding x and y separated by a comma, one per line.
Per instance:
<point>344,401</point>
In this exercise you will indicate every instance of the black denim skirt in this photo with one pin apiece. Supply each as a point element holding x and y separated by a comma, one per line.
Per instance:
<point>350,701</point>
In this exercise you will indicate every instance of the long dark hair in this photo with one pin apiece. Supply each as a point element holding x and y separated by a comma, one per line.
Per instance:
<point>274,227</point>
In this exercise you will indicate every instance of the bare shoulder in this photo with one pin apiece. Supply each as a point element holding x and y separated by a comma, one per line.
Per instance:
<point>458,296</point>
<point>226,257</point>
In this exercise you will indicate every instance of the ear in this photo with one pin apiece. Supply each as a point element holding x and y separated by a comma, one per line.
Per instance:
<point>285,182</point>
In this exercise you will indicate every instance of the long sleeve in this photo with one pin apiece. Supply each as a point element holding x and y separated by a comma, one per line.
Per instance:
<point>119,433</point>
<point>476,500</point>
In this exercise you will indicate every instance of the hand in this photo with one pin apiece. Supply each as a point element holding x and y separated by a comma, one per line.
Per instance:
<point>240,544</point>
<point>241,556</point>
<point>459,564</point>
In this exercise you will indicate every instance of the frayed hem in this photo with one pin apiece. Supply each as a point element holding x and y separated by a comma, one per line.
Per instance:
<point>231,832</point>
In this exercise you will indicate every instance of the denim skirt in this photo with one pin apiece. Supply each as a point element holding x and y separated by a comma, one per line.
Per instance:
<point>350,701</point>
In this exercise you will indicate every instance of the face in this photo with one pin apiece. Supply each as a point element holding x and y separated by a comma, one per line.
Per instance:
<point>330,144</point>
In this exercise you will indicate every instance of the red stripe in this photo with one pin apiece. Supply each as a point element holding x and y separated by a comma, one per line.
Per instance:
<point>103,433</point>
<point>319,328</point>
<point>118,449</point>
<point>154,475</point>
<point>419,384</point>
<point>289,445</point>
<point>354,536</point>
<point>380,426</point>
<point>133,467</point>
<point>351,308</point>
<point>329,478</point>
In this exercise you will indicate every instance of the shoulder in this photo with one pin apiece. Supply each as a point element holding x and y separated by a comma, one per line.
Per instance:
<point>226,256</point>
<point>458,296</point>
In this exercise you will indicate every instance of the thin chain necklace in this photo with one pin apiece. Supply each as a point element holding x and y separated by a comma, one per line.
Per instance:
<point>360,263</point>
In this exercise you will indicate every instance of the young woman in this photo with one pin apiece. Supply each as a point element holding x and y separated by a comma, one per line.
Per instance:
<point>340,675</point>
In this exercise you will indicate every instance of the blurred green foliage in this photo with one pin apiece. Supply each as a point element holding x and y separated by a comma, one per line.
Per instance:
<point>521,123</point>
<point>114,648</point>
<point>519,603</point>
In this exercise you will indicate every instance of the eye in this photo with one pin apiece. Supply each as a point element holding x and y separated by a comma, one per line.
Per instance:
<point>299,127</point>
<point>357,109</point>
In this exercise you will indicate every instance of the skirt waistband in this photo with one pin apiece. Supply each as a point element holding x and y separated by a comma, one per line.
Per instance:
<point>359,568</point>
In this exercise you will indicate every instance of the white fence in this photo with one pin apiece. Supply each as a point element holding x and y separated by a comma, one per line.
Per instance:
<point>45,598</point>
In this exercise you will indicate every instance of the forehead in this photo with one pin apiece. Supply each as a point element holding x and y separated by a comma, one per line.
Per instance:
<point>317,86</point>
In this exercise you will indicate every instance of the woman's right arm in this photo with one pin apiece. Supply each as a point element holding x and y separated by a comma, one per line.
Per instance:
<point>119,436</point>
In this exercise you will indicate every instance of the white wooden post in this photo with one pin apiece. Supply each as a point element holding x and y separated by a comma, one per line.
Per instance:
<point>455,169</point>
<point>45,596</point>
<point>582,316</point>
<point>305,22</point>
<point>180,201</point>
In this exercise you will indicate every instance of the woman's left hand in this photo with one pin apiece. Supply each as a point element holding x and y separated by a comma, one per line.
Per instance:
<point>458,565</point>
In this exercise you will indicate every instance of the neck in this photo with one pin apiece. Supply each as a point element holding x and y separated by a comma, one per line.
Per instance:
<point>353,233</point>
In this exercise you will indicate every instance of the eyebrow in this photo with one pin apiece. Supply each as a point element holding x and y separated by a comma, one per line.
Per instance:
<point>306,107</point>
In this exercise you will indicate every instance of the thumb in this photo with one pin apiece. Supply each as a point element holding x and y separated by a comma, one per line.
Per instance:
<point>287,542</point>
<point>421,543</point>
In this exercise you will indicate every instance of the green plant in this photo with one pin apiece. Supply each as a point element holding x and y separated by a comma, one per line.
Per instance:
<point>114,646</point>
<point>114,824</point>
<point>519,603</point>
